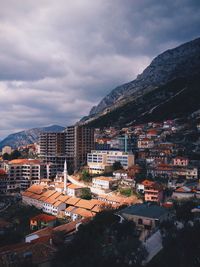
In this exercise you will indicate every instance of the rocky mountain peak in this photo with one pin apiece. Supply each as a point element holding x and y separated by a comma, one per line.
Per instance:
<point>182,61</point>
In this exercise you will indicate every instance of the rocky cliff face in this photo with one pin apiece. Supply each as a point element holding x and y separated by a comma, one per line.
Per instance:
<point>180,62</point>
<point>28,136</point>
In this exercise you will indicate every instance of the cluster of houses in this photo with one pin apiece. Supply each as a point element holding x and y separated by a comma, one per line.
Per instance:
<point>73,207</point>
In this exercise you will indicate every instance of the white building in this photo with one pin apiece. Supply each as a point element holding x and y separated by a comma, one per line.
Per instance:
<point>6,149</point>
<point>74,190</point>
<point>103,182</point>
<point>23,173</point>
<point>145,143</point>
<point>102,161</point>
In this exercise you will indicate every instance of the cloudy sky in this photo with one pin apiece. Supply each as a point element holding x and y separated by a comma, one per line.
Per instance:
<point>59,58</point>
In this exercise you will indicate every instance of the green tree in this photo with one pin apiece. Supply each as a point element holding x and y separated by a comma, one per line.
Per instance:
<point>86,193</point>
<point>15,154</point>
<point>117,166</point>
<point>6,156</point>
<point>104,241</point>
<point>126,192</point>
<point>85,176</point>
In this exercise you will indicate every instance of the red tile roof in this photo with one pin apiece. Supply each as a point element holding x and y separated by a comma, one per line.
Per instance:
<point>43,217</point>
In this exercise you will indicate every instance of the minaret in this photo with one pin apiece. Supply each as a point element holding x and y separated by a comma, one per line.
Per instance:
<point>65,177</point>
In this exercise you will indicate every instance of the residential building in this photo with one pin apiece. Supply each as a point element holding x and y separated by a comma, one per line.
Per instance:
<point>146,216</point>
<point>180,161</point>
<point>101,161</point>
<point>4,182</point>
<point>102,182</point>
<point>184,192</point>
<point>145,143</point>
<point>41,221</point>
<point>78,143</point>
<point>52,151</point>
<point>22,173</point>
<point>74,190</point>
<point>152,191</point>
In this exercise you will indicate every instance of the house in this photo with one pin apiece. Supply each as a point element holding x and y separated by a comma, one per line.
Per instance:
<point>47,231</point>
<point>152,191</point>
<point>145,143</point>
<point>74,190</point>
<point>120,174</point>
<point>180,161</point>
<point>41,221</point>
<point>65,232</point>
<point>146,216</point>
<point>183,192</point>
<point>69,210</point>
<point>80,213</point>
<point>103,182</point>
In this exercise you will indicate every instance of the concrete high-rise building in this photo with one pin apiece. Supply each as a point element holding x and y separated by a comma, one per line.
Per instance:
<point>79,142</point>
<point>52,149</point>
<point>71,145</point>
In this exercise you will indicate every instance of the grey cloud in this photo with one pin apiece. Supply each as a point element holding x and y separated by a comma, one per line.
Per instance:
<point>58,58</point>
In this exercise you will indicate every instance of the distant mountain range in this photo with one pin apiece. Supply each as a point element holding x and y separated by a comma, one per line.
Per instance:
<point>28,136</point>
<point>168,88</point>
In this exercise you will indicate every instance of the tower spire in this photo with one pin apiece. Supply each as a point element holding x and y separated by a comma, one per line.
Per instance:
<point>65,177</point>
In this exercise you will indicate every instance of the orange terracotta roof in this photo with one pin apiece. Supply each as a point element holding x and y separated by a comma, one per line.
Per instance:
<point>43,217</point>
<point>70,208</point>
<point>86,204</point>
<point>50,200</point>
<point>25,161</point>
<point>27,194</point>
<point>97,209</point>
<point>73,186</point>
<point>57,204</point>
<point>83,212</point>
<point>37,189</point>
<point>72,200</point>
<point>48,193</point>
<point>66,228</point>
<point>63,198</point>
<point>147,183</point>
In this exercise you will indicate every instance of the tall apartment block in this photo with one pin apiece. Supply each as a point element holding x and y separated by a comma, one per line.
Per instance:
<point>52,150</point>
<point>72,145</point>
<point>22,173</point>
<point>79,142</point>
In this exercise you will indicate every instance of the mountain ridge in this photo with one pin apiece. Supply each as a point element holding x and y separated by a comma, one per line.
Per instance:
<point>180,62</point>
<point>29,136</point>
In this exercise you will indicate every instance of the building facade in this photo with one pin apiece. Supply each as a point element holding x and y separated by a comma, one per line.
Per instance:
<point>101,161</point>
<point>22,173</point>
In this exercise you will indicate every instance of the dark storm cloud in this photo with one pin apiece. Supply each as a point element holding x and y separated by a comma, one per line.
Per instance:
<point>58,58</point>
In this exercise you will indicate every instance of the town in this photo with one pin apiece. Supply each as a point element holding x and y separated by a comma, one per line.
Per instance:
<point>140,173</point>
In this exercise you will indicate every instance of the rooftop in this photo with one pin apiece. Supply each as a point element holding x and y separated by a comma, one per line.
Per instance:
<point>145,210</point>
<point>44,217</point>
<point>25,161</point>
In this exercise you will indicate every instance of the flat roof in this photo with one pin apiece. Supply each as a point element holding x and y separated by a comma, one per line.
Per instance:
<point>145,210</point>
